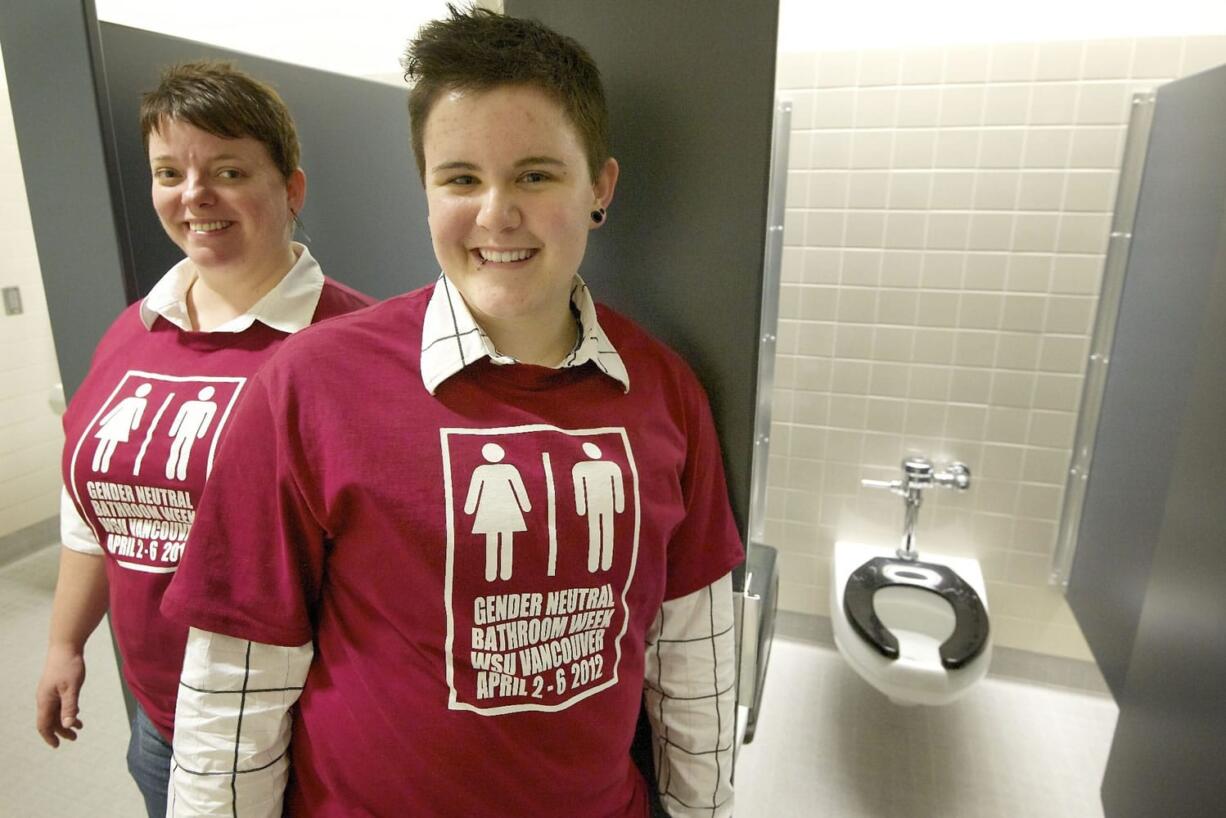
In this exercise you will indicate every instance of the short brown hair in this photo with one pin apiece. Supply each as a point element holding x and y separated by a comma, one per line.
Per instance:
<point>220,99</point>
<point>477,49</point>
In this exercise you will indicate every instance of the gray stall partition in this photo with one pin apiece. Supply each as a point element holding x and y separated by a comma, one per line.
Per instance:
<point>1149,378</point>
<point>691,97</point>
<point>365,209</point>
<point>1147,583</point>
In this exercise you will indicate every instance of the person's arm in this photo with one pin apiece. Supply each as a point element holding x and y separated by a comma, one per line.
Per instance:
<point>690,698</point>
<point>232,726</point>
<point>80,602</point>
<point>251,570</point>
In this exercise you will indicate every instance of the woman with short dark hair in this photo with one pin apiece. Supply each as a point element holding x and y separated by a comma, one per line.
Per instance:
<point>144,426</point>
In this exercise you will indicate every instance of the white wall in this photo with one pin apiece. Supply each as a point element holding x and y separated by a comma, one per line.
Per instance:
<point>30,434</point>
<point>807,25</point>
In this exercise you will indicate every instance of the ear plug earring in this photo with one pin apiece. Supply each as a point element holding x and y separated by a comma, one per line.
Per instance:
<point>598,215</point>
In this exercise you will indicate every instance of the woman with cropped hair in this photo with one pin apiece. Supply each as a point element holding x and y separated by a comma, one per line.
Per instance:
<point>142,430</point>
<point>485,521</point>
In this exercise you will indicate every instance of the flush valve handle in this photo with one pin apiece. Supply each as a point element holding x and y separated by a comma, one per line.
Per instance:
<point>895,486</point>
<point>918,474</point>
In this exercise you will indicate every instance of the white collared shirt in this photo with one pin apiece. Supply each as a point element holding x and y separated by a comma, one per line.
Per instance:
<point>451,339</point>
<point>287,307</point>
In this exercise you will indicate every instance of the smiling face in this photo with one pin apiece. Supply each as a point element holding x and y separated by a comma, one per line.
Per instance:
<point>223,201</point>
<point>510,199</point>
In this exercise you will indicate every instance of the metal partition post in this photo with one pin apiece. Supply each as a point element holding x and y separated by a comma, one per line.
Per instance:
<point>772,268</point>
<point>751,599</point>
<point>1135,149</point>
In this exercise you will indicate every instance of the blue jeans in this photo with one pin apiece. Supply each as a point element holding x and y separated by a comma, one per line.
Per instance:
<point>149,763</point>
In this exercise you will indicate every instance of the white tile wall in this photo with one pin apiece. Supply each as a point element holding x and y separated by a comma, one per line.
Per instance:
<point>30,435</point>
<point>948,211</point>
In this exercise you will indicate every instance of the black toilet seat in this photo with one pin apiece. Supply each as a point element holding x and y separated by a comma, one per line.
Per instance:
<point>970,618</point>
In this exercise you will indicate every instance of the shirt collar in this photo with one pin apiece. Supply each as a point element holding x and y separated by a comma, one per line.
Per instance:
<point>452,339</point>
<point>287,307</point>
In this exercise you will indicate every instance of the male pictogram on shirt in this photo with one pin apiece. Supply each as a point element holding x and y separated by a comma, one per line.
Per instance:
<point>496,495</point>
<point>190,424</point>
<point>599,494</point>
<point>117,425</point>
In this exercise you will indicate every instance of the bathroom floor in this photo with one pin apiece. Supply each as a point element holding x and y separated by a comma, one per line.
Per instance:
<point>830,746</point>
<point>827,744</point>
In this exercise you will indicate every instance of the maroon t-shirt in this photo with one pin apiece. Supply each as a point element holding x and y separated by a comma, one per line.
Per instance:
<point>477,569</point>
<point>141,435</point>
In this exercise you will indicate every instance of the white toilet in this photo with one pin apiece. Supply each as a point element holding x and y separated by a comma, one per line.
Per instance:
<point>916,629</point>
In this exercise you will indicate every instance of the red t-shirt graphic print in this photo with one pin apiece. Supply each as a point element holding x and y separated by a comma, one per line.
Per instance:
<point>542,542</point>
<point>146,451</point>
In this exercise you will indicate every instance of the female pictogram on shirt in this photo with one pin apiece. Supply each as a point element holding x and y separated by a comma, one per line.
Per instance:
<point>117,426</point>
<point>496,495</point>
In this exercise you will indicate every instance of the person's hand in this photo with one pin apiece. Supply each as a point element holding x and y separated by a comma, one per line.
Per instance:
<point>56,695</point>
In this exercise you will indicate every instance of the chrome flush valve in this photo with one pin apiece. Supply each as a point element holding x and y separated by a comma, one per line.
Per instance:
<point>918,474</point>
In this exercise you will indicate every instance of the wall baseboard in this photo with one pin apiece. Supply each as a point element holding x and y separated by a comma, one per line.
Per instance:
<point>1007,663</point>
<point>27,540</point>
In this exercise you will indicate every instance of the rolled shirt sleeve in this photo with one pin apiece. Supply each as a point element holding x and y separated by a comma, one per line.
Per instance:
<point>232,726</point>
<point>690,698</point>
